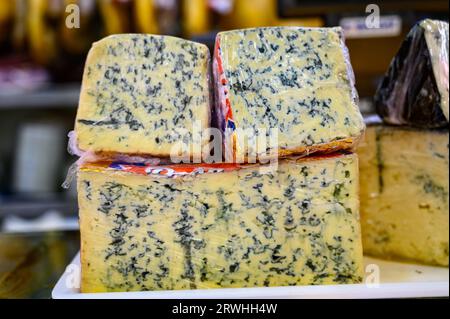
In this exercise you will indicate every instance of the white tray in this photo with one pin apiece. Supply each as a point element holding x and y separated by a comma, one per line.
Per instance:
<point>396,280</point>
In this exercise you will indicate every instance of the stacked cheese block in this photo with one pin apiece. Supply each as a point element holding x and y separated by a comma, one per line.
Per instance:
<point>188,226</point>
<point>405,160</point>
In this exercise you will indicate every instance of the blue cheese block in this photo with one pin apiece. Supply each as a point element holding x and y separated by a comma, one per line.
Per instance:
<point>141,94</point>
<point>297,81</point>
<point>404,193</point>
<point>414,90</point>
<point>183,227</point>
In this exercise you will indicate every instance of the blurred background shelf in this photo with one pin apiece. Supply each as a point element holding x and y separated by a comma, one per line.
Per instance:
<point>52,96</point>
<point>31,208</point>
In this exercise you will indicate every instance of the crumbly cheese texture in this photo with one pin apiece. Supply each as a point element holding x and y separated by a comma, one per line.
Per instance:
<point>142,93</point>
<point>298,81</point>
<point>404,194</point>
<point>436,37</point>
<point>296,226</point>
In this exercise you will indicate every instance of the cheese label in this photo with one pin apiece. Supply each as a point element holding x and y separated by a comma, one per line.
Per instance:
<point>173,170</point>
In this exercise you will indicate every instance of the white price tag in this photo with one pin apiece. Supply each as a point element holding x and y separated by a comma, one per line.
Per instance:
<point>363,27</point>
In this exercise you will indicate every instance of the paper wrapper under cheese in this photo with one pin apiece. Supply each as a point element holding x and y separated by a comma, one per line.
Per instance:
<point>404,182</point>
<point>212,226</point>
<point>415,88</point>
<point>297,81</point>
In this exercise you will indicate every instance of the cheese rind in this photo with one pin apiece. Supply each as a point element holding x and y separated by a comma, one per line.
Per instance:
<point>404,193</point>
<point>296,80</point>
<point>415,88</point>
<point>298,225</point>
<point>141,94</point>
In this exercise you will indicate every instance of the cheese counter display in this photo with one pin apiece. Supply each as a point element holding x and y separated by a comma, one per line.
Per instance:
<point>405,193</point>
<point>141,94</point>
<point>223,225</point>
<point>296,80</point>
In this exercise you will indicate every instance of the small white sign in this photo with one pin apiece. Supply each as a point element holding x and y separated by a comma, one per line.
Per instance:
<point>358,27</point>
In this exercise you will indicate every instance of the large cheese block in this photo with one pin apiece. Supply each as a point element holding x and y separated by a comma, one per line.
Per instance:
<point>404,193</point>
<point>294,82</point>
<point>211,226</point>
<point>141,94</point>
<point>414,90</point>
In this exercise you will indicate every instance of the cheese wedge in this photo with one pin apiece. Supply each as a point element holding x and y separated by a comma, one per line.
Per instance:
<point>142,94</point>
<point>211,226</point>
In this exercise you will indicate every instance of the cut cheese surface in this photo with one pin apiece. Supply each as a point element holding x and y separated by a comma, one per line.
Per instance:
<point>437,39</point>
<point>298,225</point>
<point>404,178</point>
<point>415,88</point>
<point>296,80</point>
<point>141,94</point>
